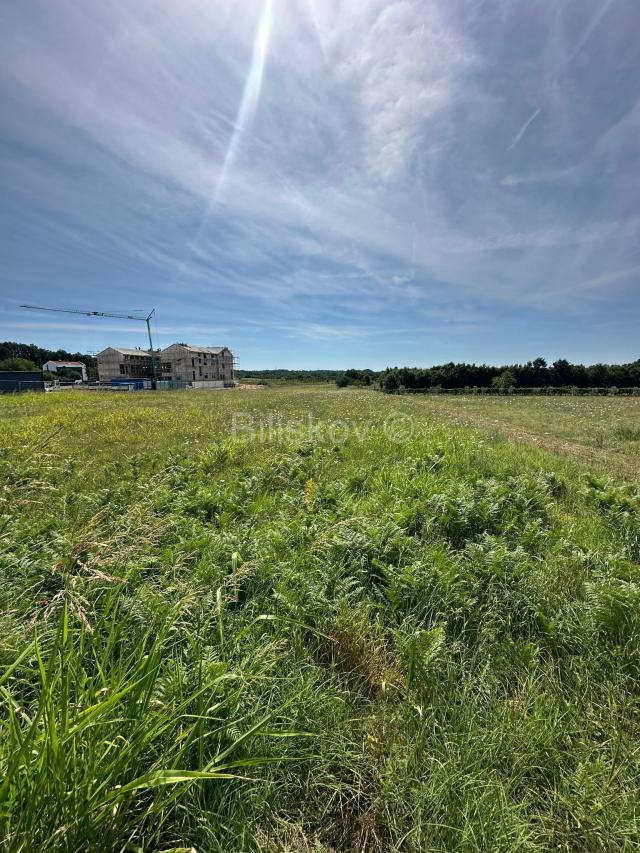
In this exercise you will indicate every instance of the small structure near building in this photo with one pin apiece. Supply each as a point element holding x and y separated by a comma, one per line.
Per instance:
<point>21,380</point>
<point>55,366</point>
<point>132,384</point>
<point>170,385</point>
<point>177,366</point>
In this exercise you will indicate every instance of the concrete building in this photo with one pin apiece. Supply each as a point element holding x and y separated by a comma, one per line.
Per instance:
<point>212,366</point>
<point>201,367</point>
<point>55,366</point>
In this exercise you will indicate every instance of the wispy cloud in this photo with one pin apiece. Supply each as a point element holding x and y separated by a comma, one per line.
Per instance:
<point>590,29</point>
<point>330,170</point>
<point>599,281</point>
<point>534,115</point>
<point>318,331</point>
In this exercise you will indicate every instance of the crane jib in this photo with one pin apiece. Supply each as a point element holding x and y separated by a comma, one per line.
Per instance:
<point>117,316</point>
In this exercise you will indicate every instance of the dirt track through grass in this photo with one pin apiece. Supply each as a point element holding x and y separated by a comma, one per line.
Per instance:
<point>599,433</point>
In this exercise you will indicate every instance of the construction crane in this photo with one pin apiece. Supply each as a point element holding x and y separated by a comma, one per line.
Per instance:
<point>143,319</point>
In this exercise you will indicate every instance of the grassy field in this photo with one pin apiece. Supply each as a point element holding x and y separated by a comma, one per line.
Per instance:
<point>310,620</point>
<point>603,432</point>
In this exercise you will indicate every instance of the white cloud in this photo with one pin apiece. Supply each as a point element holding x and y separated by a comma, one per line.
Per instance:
<point>374,170</point>
<point>406,66</point>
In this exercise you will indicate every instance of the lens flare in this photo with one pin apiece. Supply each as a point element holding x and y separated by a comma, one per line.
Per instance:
<point>250,95</point>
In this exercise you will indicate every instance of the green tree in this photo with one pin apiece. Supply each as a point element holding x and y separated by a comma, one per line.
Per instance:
<point>504,381</point>
<point>18,364</point>
<point>69,373</point>
<point>390,381</point>
<point>358,378</point>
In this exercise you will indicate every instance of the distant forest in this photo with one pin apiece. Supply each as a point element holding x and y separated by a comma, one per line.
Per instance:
<point>282,376</point>
<point>536,374</point>
<point>38,355</point>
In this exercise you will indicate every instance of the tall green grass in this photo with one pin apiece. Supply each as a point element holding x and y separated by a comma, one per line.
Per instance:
<point>309,644</point>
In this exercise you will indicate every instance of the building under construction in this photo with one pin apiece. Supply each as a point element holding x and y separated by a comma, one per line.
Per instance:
<point>179,364</point>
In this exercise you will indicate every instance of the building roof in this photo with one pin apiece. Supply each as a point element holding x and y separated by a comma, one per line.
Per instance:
<point>67,363</point>
<point>209,350</point>
<point>125,351</point>
<point>188,347</point>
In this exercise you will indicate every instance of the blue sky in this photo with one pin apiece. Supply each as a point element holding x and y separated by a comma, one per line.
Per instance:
<point>325,183</point>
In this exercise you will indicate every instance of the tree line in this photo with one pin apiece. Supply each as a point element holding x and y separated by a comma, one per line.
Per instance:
<point>17,356</point>
<point>534,374</point>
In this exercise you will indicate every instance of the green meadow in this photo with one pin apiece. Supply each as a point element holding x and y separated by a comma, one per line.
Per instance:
<point>603,432</point>
<point>313,620</point>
